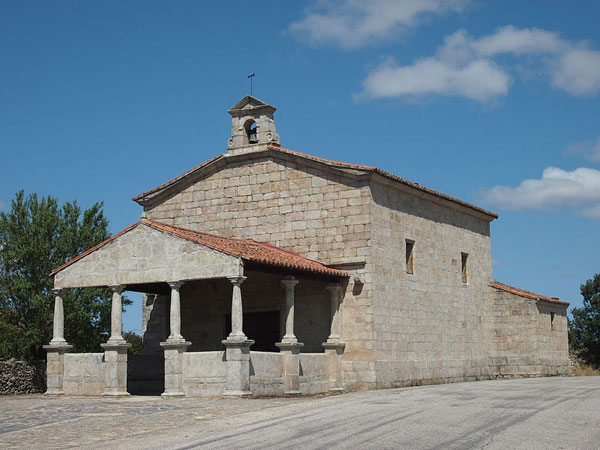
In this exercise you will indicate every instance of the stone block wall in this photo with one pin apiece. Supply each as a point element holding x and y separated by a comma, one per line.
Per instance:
<point>530,337</point>
<point>430,326</point>
<point>302,207</point>
<point>204,373</point>
<point>84,374</point>
<point>22,377</point>
<point>266,373</point>
<point>314,376</point>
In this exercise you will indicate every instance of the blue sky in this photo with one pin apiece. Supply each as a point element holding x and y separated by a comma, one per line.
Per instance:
<point>493,102</point>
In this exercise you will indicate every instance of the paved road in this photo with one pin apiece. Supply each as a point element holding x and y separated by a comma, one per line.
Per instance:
<point>546,413</point>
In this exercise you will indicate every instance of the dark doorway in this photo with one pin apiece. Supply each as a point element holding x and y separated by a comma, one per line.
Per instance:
<point>261,327</point>
<point>145,374</point>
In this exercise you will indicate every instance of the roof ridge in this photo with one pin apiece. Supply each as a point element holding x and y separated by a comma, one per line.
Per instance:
<point>390,176</point>
<point>197,232</point>
<point>524,293</point>
<point>373,169</point>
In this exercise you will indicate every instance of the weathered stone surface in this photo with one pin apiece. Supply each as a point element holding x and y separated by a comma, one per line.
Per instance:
<point>145,255</point>
<point>84,374</point>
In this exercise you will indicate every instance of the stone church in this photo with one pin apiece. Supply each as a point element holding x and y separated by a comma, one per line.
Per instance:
<point>266,271</point>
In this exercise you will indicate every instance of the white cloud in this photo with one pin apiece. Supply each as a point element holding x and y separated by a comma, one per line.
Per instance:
<point>352,24</point>
<point>478,80</point>
<point>577,71</point>
<point>465,66</point>
<point>589,149</point>
<point>557,188</point>
<point>2,205</point>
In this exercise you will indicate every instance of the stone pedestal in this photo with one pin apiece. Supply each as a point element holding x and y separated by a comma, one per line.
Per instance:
<point>174,350</point>
<point>115,369</point>
<point>55,367</point>
<point>334,352</point>
<point>237,355</point>
<point>290,353</point>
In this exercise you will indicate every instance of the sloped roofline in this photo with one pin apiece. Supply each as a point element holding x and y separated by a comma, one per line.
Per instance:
<point>140,198</point>
<point>246,249</point>
<point>526,294</point>
<point>251,99</point>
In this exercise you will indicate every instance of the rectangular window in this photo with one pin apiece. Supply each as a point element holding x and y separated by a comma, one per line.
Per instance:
<point>410,264</point>
<point>552,321</point>
<point>464,270</point>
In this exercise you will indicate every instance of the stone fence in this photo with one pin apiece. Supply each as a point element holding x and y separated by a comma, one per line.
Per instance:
<point>21,377</point>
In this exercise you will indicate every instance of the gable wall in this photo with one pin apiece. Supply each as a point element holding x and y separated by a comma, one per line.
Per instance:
<point>299,207</point>
<point>527,341</point>
<point>145,255</point>
<point>430,327</point>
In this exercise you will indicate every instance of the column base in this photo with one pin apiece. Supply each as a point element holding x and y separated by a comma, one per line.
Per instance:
<point>115,369</point>
<point>237,356</point>
<point>55,367</point>
<point>174,349</point>
<point>290,353</point>
<point>334,352</point>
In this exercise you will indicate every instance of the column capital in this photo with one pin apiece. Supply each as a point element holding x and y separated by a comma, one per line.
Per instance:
<point>237,281</point>
<point>57,292</point>
<point>175,284</point>
<point>118,288</point>
<point>289,282</point>
<point>334,288</point>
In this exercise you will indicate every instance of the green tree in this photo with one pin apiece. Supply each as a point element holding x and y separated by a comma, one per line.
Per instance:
<point>36,236</point>
<point>135,340</point>
<point>584,329</point>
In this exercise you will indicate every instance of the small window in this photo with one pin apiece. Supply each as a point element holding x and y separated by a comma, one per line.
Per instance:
<point>410,263</point>
<point>464,270</point>
<point>552,321</point>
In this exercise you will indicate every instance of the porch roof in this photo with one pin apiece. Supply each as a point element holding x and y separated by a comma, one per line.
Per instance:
<point>526,294</point>
<point>246,249</point>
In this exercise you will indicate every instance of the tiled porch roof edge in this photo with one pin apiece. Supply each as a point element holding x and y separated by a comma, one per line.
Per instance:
<point>247,249</point>
<point>339,164</point>
<point>526,294</point>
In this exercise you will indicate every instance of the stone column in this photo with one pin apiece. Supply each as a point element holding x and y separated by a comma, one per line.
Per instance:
<point>335,297</point>
<point>174,346</point>
<point>289,347</point>
<point>237,313</point>
<point>334,347</point>
<point>116,315</point>
<point>55,364</point>
<point>115,349</point>
<point>237,347</point>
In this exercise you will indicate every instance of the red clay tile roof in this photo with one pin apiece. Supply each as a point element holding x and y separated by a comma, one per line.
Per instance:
<point>527,294</point>
<point>247,249</point>
<point>331,163</point>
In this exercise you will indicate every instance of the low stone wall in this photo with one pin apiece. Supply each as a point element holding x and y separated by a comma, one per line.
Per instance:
<point>266,373</point>
<point>84,374</point>
<point>314,376</point>
<point>21,377</point>
<point>204,373</point>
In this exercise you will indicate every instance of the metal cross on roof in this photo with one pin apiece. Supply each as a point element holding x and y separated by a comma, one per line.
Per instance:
<point>251,76</point>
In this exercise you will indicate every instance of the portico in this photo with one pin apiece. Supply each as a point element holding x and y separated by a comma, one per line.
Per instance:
<point>192,281</point>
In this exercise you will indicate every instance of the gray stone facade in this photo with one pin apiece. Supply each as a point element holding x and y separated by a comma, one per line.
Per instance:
<point>384,322</point>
